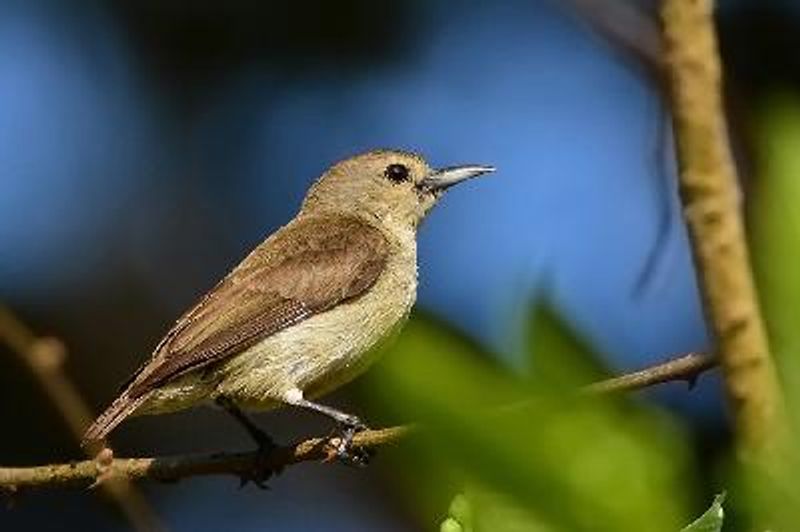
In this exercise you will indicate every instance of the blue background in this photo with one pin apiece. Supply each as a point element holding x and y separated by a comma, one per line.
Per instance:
<point>138,165</point>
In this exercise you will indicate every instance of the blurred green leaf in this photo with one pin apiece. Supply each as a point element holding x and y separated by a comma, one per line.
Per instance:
<point>495,512</point>
<point>558,357</point>
<point>575,462</point>
<point>452,525</point>
<point>775,215</point>
<point>711,520</point>
<point>460,510</point>
<point>774,496</point>
<point>459,516</point>
<point>482,510</point>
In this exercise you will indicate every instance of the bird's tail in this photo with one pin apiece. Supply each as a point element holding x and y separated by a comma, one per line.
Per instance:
<point>121,408</point>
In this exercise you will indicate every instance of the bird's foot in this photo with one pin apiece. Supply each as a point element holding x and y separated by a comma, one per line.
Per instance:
<point>262,470</point>
<point>340,444</point>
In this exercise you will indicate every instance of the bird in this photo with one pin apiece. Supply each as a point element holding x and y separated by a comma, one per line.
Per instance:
<point>308,309</point>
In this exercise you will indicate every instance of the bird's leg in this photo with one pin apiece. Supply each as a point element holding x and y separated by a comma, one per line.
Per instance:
<point>262,439</point>
<point>349,425</point>
<point>265,443</point>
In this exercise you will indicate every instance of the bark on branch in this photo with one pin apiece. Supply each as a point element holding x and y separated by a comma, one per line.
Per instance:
<point>710,196</point>
<point>250,464</point>
<point>45,357</point>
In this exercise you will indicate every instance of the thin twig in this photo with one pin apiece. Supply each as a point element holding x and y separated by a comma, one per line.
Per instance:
<point>248,465</point>
<point>687,368</point>
<point>45,357</point>
<point>710,195</point>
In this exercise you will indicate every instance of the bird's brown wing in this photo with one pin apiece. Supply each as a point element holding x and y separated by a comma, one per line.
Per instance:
<point>305,268</point>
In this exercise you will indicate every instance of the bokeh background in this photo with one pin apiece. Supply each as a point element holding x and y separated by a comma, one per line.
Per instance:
<point>146,145</point>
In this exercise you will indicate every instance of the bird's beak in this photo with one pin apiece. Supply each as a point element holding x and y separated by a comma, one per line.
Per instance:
<point>447,177</point>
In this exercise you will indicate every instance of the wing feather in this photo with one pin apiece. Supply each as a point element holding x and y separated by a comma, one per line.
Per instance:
<point>306,268</point>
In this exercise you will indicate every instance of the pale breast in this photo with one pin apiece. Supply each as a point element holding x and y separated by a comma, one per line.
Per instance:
<point>326,350</point>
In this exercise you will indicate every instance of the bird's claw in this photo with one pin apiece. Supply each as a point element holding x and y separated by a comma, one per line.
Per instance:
<point>341,444</point>
<point>261,471</point>
<point>259,479</point>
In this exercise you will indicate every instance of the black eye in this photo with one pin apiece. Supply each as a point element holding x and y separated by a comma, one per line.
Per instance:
<point>397,173</point>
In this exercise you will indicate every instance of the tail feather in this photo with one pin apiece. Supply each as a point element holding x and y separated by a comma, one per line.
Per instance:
<point>121,408</point>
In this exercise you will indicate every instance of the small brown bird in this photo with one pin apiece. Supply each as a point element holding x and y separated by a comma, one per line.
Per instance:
<point>303,313</point>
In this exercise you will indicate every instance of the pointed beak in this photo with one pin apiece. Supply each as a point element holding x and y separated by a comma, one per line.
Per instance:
<point>445,178</point>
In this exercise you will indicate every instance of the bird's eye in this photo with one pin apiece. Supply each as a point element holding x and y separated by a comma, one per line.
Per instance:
<point>397,173</point>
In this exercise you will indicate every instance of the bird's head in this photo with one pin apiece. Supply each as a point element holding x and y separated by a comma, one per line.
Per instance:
<point>393,188</point>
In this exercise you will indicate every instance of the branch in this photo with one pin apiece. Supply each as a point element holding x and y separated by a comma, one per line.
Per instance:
<point>251,464</point>
<point>710,196</point>
<point>687,368</point>
<point>45,357</point>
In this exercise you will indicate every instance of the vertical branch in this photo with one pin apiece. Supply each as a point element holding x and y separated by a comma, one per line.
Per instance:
<point>710,196</point>
<point>44,357</point>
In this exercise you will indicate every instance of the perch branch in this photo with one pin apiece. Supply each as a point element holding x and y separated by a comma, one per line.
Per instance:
<point>710,196</point>
<point>45,357</point>
<point>243,465</point>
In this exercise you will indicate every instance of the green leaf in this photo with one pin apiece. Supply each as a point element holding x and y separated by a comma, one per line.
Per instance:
<point>460,510</point>
<point>773,494</point>
<point>451,525</point>
<point>576,462</point>
<point>459,516</point>
<point>482,510</point>
<point>775,213</point>
<point>711,520</point>
<point>559,357</point>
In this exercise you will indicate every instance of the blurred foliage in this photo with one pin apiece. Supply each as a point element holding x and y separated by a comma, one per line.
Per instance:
<point>711,520</point>
<point>551,456</point>
<point>571,360</point>
<point>498,513</point>
<point>459,516</point>
<point>529,453</point>
<point>480,509</point>
<point>776,231</point>
<point>772,495</point>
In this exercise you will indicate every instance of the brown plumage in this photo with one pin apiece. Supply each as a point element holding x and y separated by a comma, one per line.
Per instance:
<point>305,311</point>
<point>304,269</point>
